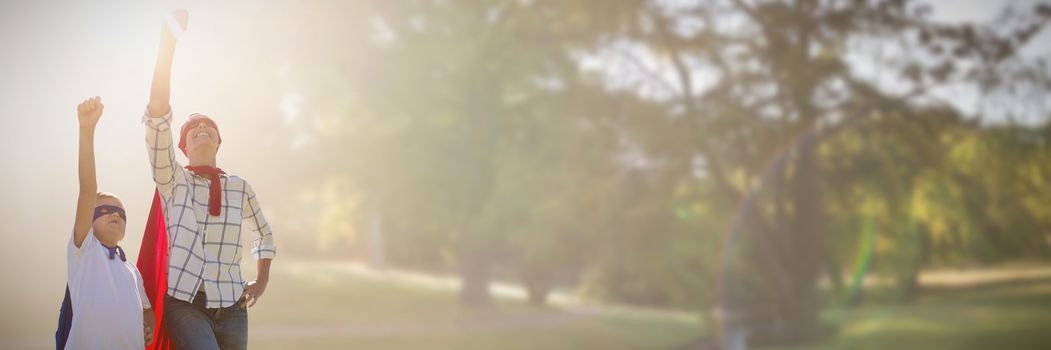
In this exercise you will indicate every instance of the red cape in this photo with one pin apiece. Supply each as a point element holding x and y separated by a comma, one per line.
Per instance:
<point>153,265</point>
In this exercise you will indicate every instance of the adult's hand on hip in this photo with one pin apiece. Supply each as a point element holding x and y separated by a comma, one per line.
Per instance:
<point>253,290</point>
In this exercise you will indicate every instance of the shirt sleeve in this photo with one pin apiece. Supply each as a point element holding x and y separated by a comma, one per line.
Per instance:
<point>262,235</point>
<point>73,253</point>
<point>75,256</point>
<point>162,157</point>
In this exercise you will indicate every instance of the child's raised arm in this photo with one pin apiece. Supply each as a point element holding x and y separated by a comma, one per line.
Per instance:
<point>88,113</point>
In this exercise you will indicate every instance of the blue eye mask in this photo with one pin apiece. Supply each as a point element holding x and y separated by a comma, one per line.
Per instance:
<point>109,209</point>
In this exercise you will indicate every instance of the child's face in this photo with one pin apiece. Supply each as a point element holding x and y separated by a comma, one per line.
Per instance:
<point>109,228</point>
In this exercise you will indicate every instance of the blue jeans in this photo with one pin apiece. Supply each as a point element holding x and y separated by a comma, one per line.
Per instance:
<point>194,327</point>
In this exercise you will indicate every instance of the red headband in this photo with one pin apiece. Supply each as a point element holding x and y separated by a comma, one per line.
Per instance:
<point>189,124</point>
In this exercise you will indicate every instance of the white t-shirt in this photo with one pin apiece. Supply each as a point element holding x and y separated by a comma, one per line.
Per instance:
<point>107,296</point>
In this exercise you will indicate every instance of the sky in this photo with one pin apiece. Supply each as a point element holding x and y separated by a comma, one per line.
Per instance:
<point>54,54</point>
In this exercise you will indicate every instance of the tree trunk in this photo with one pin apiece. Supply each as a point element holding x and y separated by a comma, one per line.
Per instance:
<point>835,275</point>
<point>807,240</point>
<point>474,277</point>
<point>377,251</point>
<point>538,287</point>
<point>909,283</point>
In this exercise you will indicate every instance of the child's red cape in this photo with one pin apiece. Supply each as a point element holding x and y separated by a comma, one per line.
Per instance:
<point>153,265</point>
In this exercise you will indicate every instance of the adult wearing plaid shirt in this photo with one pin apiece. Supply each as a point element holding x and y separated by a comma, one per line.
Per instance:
<point>205,211</point>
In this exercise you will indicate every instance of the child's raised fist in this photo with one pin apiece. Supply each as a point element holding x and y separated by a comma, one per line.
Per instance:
<point>89,111</point>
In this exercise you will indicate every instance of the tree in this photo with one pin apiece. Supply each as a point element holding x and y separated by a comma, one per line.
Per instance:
<point>751,77</point>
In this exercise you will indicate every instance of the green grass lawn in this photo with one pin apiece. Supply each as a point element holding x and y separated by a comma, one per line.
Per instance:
<point>1008,316</point>
<point>307,307</point>
<point>326,309</point>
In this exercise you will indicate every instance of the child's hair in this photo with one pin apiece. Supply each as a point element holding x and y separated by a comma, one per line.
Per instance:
<point>102,195</point>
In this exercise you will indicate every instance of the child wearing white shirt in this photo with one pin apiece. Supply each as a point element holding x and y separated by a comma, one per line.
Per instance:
<point>109,304</point>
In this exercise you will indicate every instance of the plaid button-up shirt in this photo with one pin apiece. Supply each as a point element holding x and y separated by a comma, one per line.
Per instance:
<point>204,250</point>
